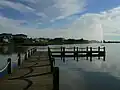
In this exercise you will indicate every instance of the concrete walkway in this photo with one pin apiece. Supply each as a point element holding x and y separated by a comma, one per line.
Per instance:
<point>34,74</point>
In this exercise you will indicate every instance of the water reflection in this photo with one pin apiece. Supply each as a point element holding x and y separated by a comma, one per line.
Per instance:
<point>86,58</point>
<point>7,50</point>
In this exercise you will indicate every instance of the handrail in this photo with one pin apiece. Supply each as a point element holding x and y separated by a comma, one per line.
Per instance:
<point>4,67</point>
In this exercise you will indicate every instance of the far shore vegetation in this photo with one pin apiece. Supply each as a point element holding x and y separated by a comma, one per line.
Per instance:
<point>22,39</point>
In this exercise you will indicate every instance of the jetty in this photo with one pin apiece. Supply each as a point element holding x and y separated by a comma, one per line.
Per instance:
<point>36,72</point>
<point>77,52</point>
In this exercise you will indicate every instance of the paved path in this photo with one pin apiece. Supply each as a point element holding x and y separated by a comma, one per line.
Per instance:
<point>34,74</point>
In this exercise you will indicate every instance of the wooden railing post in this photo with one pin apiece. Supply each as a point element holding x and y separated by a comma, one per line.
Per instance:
<point>104,53</point>
<point>104,49</point>
<point>61,52</point>
<point>74,53</point>
<point>51,62</point>
<point>98,52</point>
<point>9,70</point>
<point>49,53</point>
<point>90,53</point>
<point>25,55</point>
<point>28,53</point>
<point>19,59</point>
<point>87,53</point>
<point>56,78</point>
<point>77,54</point>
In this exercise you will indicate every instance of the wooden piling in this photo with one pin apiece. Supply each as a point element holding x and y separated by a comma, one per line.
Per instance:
<point>87,54</point>
<point>28,53</point>
<point>91,54</point>
<point>74,53</point>
<point>56,78</point>
<point>51,63</point>
<point>19,59</point>
<point>98,52</point>
<point>49,55</point>
<point>9,70</point>
<point>61,52</point>
<point>25,55</point>
<point>77,54</point>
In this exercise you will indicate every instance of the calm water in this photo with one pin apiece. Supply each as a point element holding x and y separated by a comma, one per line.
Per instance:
<point>95,75</point>
<point>10,52</point>
<point>86,75</point>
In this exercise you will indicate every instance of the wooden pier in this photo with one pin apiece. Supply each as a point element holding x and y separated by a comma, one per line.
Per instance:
<point>36,72</point>
<point>77,52</point>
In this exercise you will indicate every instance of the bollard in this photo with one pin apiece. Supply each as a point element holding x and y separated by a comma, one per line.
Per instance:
<point>56,78</point>
<point>19,59</point>
<point>9,66</point>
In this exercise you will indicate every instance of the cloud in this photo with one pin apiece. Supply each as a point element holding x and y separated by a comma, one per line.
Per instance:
<point>17,6</point>
<point>47,9</point>
<point>88,26</point>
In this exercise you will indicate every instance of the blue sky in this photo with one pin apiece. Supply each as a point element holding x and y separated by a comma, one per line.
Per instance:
<point>61,18</point>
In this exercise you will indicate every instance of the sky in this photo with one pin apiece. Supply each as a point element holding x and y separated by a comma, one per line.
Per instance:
<point>88,19</point>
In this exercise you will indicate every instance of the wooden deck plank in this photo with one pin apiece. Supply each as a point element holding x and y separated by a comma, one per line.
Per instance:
<point>33,74</point>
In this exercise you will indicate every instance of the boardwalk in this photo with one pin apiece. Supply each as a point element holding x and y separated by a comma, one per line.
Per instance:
<point>33,74</point>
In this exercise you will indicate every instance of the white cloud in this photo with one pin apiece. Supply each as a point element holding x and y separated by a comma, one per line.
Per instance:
<point>88,26</point>
<point>48,9</point>
<point>69,7</point>
<point>18,6</point>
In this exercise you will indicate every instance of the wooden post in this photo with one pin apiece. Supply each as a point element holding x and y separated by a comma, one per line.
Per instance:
<point>87,54</point>
<point>9,70</point>
<point>91,54</point>
<point>104,49</point>
<point>49,53</point>
<point>31,52</point>
<point>61,52</point>
<point>51,62</point>
<point>28,53</point>
<point>56,78</point>
<point>74,53</point>
<point>19,59</point>
<point>25,55</point>
<point>104,58</point>
<point>77,54</point>
<point>98,52</point>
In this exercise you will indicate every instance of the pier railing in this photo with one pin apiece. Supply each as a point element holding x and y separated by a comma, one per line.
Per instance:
<point>54,70</point>
<point>8,67</point>
<point>77,52</point>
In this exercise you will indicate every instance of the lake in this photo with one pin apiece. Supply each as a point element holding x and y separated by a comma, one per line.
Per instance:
<point>85,75</point>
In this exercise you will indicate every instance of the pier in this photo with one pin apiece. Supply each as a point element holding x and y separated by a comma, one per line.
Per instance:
<point>36,72</point>
<point>77,52</point>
